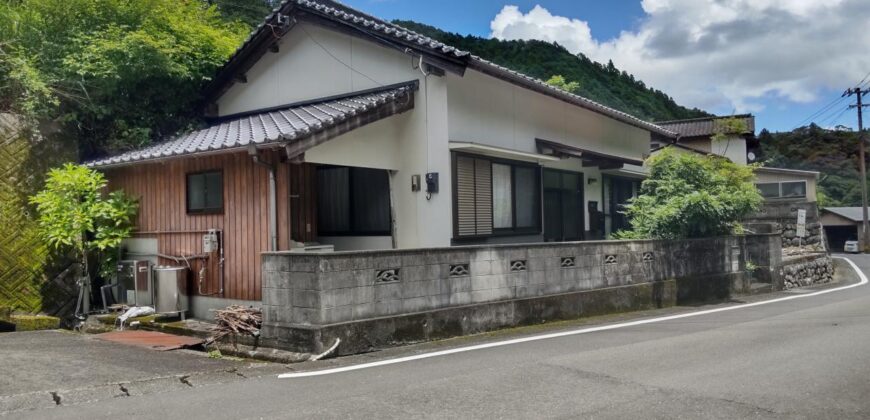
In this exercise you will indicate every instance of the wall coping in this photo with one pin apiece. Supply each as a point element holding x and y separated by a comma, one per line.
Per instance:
<point>460,248</point>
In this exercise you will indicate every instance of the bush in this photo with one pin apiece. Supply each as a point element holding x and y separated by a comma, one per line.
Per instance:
<point>691,196</point>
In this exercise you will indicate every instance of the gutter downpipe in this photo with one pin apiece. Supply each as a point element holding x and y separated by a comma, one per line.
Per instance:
<point>273,206</point>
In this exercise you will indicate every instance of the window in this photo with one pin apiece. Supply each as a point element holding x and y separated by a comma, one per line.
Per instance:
<point>794,189</point>
<point>768,189</point>
<point>353,201</point>
<point>205,192</point>
<point>495,197</point>
<point>785,189</point>
<point>526,203</point>
<point>502,198</point>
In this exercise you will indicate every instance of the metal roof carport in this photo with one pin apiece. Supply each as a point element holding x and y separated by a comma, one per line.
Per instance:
<point>841,224</point>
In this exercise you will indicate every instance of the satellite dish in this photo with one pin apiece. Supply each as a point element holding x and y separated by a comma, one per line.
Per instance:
<point>750,156</point>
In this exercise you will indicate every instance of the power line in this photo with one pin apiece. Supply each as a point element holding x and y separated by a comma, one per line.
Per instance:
<point>818,114</point>
<point>829,120</point>
<point>823,111</point>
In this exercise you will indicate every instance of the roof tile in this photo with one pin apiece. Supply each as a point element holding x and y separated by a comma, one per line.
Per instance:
<point>286,124</point>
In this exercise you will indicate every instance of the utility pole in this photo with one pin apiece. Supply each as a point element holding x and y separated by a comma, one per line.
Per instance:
<point>865,226</point>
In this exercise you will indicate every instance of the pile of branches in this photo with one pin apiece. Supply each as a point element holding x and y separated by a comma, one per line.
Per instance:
<point>236,320</point>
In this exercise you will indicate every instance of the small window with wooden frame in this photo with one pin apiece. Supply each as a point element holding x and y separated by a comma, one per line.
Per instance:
<point>205,192</point>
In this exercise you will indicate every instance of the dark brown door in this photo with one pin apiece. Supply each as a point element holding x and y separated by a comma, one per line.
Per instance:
<point>563,206</point>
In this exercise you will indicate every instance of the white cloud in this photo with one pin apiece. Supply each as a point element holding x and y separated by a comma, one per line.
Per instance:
<point>721,55</point>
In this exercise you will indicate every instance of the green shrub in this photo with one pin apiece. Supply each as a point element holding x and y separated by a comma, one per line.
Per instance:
<point>76,214</point>
<point>691,196</point>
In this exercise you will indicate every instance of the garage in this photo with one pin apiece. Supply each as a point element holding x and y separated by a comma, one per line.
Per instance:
<point>841,224</point>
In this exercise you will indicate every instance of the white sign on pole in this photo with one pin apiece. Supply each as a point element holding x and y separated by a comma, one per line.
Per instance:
<point>801,228</point>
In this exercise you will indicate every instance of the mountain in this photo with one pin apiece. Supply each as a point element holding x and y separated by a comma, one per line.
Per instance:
<point>834,153</point>
<point>604,84</point>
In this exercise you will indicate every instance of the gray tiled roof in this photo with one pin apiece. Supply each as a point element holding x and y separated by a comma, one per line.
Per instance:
<point>854,214</point>
<point>284,124</point>
<point>702,127</point>
<point>339,11</point>
<point>335,10</point>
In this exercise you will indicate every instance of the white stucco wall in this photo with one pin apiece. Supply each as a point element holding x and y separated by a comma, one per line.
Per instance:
<point>314,62</point>
<point>732,147</point>
<point>483,109</point>
<point>486,110</point>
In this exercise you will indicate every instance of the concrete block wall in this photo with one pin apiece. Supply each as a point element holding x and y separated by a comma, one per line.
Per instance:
<point>330,288</point>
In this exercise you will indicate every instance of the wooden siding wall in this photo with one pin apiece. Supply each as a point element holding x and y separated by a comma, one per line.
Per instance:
<point>160,188</point>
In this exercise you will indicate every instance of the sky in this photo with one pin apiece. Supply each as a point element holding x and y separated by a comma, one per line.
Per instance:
<point>785,61</point>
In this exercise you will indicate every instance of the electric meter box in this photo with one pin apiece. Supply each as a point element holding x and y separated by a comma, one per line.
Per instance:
<point>210,242</point>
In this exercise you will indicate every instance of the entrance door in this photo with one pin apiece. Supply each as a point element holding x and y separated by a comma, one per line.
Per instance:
<point>563,206</point>
<point>622,190</point>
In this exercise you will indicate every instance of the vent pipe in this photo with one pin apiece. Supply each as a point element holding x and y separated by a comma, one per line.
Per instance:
<point>273,206</point>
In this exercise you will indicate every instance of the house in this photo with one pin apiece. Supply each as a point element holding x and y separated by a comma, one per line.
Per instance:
<point>697,136</point>
<point>333,129</point>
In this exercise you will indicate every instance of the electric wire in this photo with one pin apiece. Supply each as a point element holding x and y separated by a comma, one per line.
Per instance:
<point>338,59</point>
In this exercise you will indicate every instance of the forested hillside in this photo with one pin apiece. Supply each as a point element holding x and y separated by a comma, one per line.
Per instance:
<point>833,153</point>
<point>602,83</point>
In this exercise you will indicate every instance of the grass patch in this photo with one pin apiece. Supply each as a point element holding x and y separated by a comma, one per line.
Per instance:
<point>35,322</point>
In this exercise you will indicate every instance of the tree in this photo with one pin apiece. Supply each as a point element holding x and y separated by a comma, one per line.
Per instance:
<point>75,214</point>
<point>559,82</point>
<point>116,74</point>
<point>691,196</point>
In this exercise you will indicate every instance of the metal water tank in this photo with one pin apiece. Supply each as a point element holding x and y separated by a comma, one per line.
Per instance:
<point>171,291</point>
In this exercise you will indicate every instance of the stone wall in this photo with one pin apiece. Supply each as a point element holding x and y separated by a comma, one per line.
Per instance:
<point>305,295</point>
<point>806,270</point>
<point>782,215</point>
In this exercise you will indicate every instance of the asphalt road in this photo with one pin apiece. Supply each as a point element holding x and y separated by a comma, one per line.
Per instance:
<point>802,358</point>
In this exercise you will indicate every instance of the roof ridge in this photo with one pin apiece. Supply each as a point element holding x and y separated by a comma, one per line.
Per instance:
<point>714,117</point>
<point>338,11</point>
<point>410,83</point>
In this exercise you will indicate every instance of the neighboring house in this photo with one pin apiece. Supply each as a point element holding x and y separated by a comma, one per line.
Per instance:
<point>697,134</point>
<point>778,184</point>
<point>775,184</point>
<point>841,224</point>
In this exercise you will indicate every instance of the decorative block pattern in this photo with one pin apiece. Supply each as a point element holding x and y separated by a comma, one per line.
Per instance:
<point>567,262</point>
<point>518,265</point>
<point>458,270</point>
<point>389,275</point>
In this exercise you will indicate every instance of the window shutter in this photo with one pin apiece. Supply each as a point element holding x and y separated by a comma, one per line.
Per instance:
<point>473,196</point>
<point>466,222</point>
<point>483,195</point>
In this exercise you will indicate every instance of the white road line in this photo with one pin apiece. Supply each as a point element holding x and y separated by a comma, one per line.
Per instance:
<point>572,332</point>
